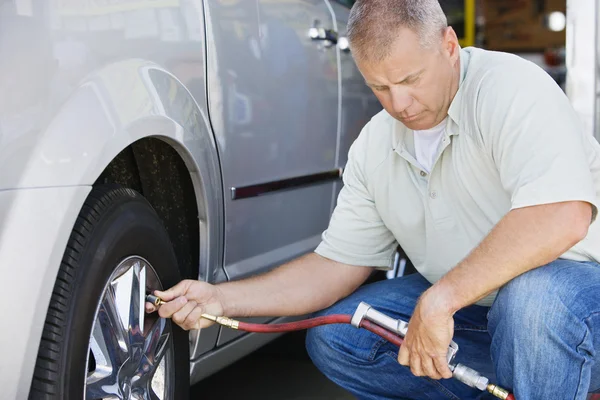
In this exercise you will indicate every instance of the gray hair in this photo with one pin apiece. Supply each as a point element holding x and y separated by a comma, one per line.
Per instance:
<point>374,24</point>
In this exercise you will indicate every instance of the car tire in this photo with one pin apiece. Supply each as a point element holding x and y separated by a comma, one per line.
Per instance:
<point>115,226</point>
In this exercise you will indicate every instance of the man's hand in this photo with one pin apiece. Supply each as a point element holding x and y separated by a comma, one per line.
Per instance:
<point>187,301</point>
<point>430,332</point>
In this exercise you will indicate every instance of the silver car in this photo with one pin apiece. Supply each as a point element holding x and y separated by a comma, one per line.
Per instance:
<point>147,141</point>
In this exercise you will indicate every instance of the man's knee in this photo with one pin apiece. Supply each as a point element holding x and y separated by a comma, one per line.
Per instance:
<point>550,302</point>
<point>336,346</point>
<point>525,304</point>
<point>547,297</point>
<point>318,346</point>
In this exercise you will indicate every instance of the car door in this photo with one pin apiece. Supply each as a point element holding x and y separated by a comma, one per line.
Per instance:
<point>358,103</point>
<point>273,102</point>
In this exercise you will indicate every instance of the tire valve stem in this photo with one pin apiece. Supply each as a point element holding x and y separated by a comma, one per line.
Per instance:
<point>155,300</point>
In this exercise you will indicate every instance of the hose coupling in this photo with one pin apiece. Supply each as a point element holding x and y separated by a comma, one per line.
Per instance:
<point>470,377</point>
<point>498,391</point>
<point>225,321</point>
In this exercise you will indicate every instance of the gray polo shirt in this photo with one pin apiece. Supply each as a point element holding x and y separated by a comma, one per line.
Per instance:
<point>512,140</point>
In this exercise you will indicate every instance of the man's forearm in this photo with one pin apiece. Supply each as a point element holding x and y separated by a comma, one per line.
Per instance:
<point>302,286</point>
<point>524,239</point>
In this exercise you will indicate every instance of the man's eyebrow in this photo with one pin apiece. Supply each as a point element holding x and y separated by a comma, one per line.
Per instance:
<point>411,76</point>
<point>373,84</point>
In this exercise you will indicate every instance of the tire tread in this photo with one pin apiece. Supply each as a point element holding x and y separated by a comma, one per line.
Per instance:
<point>45,377</point>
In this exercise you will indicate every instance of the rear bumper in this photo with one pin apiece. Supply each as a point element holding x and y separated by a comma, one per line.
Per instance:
<point>35,225</point>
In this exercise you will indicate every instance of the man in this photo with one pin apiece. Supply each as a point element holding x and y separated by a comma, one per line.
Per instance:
<point>479,169</point>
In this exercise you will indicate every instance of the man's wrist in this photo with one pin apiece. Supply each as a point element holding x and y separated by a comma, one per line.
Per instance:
<point>225,301</point>
<point>443,298</point>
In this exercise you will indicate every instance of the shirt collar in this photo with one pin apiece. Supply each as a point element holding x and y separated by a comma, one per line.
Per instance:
<point>457,103</point>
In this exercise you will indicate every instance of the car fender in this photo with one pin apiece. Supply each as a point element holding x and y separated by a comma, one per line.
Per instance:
<point>52,171</point>
<point>112,108</point>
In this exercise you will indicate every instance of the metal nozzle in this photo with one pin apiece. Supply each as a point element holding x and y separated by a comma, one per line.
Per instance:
<point>470,377</point>
<point>157,301</point>
<point>365,311</point>
<point>498,391</point>
<point>209,317</point>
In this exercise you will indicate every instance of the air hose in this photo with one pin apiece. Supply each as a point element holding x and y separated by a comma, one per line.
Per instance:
<point>327,320</point>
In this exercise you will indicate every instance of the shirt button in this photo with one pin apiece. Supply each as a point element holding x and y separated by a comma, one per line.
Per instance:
<point>423,173</point>
<point>433,194</point>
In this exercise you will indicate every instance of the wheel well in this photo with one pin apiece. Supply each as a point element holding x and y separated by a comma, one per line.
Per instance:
<point>156,170</point>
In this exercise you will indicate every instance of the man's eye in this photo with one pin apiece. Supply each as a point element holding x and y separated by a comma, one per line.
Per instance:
<point>380,88</point>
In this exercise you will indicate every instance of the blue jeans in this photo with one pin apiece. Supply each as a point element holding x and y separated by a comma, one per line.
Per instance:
<point>540,338</point>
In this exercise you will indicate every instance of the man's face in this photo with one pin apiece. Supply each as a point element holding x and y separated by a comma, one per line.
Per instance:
<point>413,84</point>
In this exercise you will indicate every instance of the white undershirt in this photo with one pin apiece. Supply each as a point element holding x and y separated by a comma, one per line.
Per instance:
<point>427,143</point>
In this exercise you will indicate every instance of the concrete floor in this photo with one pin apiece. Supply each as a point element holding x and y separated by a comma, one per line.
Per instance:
<point>280,370</point>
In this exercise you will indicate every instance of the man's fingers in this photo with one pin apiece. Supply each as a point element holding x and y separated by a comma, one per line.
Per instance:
<point>180,316</point>
<point>192,320</point>
<point>178,290</point>
<point>171,307</point>
<point>415,365</point>
<point>404,355</point>
<point>150,307</point>
<point>441,365</point>
<point>435,368</point>
<point>429,369</point>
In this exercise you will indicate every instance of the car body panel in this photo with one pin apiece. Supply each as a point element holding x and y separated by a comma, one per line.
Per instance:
<point>358,104</point>
<point>273,100</point>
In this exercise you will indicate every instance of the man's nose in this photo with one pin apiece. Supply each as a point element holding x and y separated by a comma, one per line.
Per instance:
<point>401,100</point>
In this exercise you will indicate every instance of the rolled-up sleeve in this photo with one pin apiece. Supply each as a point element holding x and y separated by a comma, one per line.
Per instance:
<point>535,138</point>
<point>356,234</point>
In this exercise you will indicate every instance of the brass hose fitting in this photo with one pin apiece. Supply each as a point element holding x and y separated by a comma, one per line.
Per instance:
<point>225,321</point>
<point>498,391</point>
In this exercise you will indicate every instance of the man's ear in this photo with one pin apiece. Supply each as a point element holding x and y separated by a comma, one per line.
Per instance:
<point>450,44</point>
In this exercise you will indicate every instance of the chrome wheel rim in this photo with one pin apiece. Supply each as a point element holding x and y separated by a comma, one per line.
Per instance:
<point>130,354</point>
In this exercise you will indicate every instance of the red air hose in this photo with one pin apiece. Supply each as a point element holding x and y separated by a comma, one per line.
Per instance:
<point>318,321</point>
<point>295,326</point>
<point>314,322</point>
<point>326,320</point>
